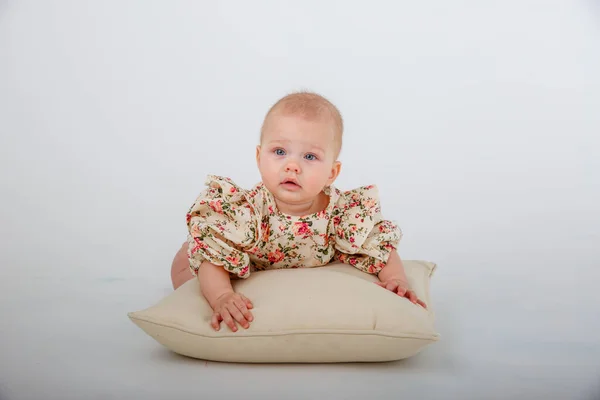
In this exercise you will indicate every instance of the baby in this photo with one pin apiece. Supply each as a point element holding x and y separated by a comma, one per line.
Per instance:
<point>293,218</point>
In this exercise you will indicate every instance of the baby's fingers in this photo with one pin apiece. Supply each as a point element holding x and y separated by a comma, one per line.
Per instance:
<point>412,296</point>
<point>247,301</point>
<point>402,291</point>
<point>228,320</point>
<point>215,321</point>
<point>245,313</point>
<point>392,286</point>
<point>237,315</point>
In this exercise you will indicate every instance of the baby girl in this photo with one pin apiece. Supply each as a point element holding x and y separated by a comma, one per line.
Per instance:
<point>293,218</point>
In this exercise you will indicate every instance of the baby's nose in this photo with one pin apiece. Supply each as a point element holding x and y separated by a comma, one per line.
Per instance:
<point>292,167</point>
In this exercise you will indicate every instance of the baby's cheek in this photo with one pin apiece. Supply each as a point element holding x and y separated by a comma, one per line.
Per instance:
<point>323,175</point>
<point>314,179</point>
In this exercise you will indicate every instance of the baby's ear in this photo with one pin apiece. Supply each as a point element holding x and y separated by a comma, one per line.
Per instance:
<point>258,154</point>
<point>335,171</point>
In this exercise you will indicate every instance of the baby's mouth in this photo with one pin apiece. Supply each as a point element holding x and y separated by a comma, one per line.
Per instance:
<point>290,183</point>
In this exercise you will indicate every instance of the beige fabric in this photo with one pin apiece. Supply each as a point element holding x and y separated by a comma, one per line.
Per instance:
<point>333,313</point>
<point>243,230</point>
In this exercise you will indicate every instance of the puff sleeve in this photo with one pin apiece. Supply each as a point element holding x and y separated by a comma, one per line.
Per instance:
<point>222,226</point>
<point>363,238</point>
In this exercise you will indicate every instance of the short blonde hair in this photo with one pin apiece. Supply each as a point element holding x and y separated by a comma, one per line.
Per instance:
<point>312,106</point>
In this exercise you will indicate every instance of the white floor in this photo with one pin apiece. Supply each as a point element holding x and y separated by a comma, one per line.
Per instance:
<point>70,339</point>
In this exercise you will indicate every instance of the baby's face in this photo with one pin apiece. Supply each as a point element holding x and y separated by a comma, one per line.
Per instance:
<point>297,158</point>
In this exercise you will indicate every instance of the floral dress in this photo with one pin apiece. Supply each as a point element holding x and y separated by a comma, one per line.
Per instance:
<point>243,230</point>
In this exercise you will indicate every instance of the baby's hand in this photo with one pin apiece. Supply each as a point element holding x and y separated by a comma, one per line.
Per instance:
<point>232,307</point>
<point>402,289</point>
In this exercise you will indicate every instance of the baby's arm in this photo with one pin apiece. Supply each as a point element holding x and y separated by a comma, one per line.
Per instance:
<point>228,306</point>
<point>393,278</point>
<point>394,269</point>
<point>214,282</point>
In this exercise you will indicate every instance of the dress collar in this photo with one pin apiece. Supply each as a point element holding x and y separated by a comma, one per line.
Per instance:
<point>271,205</point>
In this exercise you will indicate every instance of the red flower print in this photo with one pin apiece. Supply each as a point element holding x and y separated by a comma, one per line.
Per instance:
<point>372,269</point>
<point>357,215</point>
<point>353,261</point>
<point>195,231</point>
<point>234,261</point>
<point>233,189</point>
<point>271,210</point>
<point>340,232</point>
<point>216,206</point>
<point>265,230</point>
<point>276,256</point>
<point>337,220</point>
<point>302,229</point>
<point>199,246</point>
<point>188,218</point>
<point>325,238</point>
<point>244,271</point>
<point>369,203</point>
<point>354,228</point>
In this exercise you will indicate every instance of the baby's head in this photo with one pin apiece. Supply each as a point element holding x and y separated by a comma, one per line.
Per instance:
<point>300,142</point>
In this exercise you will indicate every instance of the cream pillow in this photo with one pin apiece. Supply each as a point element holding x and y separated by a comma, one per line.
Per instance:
<point>333,313</point>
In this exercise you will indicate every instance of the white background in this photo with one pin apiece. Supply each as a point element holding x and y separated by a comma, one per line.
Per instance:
<point>479,122</point>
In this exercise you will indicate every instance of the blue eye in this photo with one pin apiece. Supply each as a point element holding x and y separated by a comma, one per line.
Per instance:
<point>280,152</point>
<point>310,157</point>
